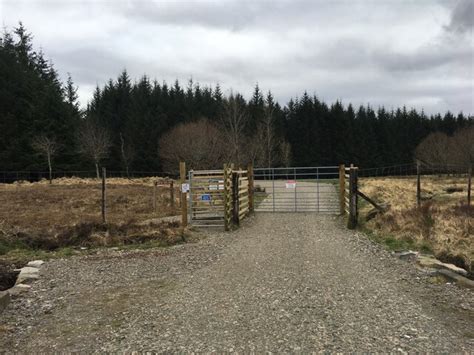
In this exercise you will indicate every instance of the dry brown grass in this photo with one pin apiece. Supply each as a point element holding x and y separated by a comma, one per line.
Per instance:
<point>443,223</point>
<point>68,213</point>
<point>67,202</point>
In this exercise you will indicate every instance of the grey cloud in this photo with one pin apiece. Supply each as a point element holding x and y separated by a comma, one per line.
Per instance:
<point>424,59</point>
<point>232,15</point>
<point>389,53</point>
<point>462,17</point>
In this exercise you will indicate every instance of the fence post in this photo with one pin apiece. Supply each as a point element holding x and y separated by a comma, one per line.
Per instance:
<point>184,206</point>
<point>103,205</point>
<point>342,188</point>
<point>172,193</point>
<point>353,213</point>
<point>469,180</point>
<point>250,177</point>
<point>227,196</point>
<point>418,184</point>
<point>235,197</point>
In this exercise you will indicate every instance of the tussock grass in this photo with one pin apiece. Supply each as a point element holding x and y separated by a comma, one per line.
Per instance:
<point>38,218</point>
<point>443,224</point>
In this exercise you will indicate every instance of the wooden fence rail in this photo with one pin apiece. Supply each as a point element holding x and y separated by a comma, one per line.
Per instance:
<point>218,198</point>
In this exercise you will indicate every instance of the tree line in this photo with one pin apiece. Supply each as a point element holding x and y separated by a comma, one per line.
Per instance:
<point>148,125</point>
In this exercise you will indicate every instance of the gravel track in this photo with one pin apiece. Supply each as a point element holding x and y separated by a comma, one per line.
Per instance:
<point>282,282</point>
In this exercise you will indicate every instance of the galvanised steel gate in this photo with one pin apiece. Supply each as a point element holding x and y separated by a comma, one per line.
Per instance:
<point>297,189</point>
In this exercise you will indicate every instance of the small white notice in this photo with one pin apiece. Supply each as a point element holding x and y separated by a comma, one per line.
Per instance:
<point>184,188</point>
<point>290,184</point>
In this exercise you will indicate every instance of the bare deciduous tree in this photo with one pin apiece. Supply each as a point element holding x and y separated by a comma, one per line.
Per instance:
<point>267,136</point>
<point>441,150</point>
<point>199,144</point>
<point>48,148</point>
<point>127,154</point>
<point>434,150</point>
<point>463,146</point>
<point>285,153</point>
<point>233,122</point>
<point>94,142</point>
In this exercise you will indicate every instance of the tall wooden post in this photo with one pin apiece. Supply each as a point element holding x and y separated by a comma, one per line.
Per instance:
<point>250,177</point>
<point>469,181</point>
<point>235,197</point>
<point>418,184</point>
<point>172,194</point>
<point>342,188</point>
<point>103,206</point>
<point>227,197</point>
<point>184,205</point>
<point>353,212</point>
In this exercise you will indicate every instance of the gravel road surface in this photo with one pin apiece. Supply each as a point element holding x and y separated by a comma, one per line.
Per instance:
<point>282,282</point>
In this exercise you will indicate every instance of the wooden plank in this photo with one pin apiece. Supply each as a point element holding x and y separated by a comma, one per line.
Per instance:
<point>243,211</point>
<point>250,187</point>
<point>342,189</point>
<point>184,204</point>
<point>372,202</point>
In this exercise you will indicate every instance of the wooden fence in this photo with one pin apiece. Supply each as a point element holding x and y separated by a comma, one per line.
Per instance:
<point>348,194</point>
<point>217,198</point>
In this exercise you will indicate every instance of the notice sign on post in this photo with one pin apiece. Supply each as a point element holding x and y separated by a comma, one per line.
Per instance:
<point>290,184</point>
<point>184,188</point>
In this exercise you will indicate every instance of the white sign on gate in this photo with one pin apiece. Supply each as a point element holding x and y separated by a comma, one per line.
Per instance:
<point>184,188</point>
<point>290,184</point>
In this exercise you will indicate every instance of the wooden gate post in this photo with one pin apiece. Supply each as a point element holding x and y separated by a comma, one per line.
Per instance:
<point>250,177</point>
<point>184,205</point>
<point>235,197</point>
<point>353,213</point>
<point>227,197</point>
<point>342,188</point>
<point>103,205</point>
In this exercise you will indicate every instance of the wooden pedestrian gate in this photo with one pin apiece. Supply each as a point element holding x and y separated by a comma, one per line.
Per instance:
<point>219,198</point>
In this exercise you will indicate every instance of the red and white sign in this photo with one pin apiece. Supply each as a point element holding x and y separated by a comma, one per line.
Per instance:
<point>291,184</point>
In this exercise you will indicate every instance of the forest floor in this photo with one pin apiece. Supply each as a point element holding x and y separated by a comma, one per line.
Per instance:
<point>282,282</point>
<point>443,225</point>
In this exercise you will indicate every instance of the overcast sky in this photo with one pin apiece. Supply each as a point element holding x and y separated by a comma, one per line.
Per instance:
<point>384,52</point>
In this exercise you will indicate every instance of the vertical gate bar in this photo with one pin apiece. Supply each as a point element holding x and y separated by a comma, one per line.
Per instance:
<point>294,174</point>
<point>317,187</point>
<point>191,210</point>
<point>342,188</point>
<point>184,209</point>
<point>273,188</point>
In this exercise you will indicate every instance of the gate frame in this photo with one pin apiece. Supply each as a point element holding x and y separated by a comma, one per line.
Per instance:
<point>237,195</point>
<point>319,173</point>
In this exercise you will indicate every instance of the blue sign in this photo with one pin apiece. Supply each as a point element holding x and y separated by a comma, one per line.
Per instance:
<point>205,197</point>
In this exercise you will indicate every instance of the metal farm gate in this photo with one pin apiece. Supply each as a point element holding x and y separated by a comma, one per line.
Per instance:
<point>302,189</point>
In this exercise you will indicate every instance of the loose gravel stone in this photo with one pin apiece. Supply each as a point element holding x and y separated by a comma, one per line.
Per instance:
<point>280,283</point>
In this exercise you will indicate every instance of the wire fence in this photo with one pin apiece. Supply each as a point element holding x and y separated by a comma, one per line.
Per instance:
<point>412,169</point>
<point>8,177</point>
